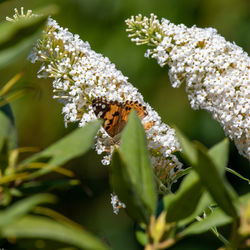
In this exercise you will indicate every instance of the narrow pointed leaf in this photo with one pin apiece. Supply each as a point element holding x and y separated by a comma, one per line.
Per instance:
<point>219,155</point>
<point>72,145</point>
<point>185,200</point>
<point>22,207</point>
<point>123,187</point>
<point>134,149</point>
<point>18,37</point>
<point>7,86</point>
<point>215,219</point>
<point>44,228</point>
<point>18,51</point>
<point>135,164</point>
<point>188,150</point>
<point>4,154</point>
<point>210,176</point>
<point>203,204</point>
<point>14,32</point>
<point>7,127</point>
<point>28,188</point>
<point>214,182</point>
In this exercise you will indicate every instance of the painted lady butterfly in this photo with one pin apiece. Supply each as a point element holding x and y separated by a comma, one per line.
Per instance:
<point>115,114</point>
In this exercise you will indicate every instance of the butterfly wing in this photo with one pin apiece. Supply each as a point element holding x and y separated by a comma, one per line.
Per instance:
<point>127,108</point>
<point>116,114</point>
<point>110,112</point>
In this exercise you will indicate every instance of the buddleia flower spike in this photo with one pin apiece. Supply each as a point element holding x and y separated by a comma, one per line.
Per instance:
<point>89,86</point>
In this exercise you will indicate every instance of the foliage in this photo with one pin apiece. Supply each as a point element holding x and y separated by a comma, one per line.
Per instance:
<point>191,209</point>
<point>19,178</point>
<point>205,200</point>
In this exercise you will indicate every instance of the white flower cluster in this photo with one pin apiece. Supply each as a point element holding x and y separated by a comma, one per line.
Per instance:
<point>216,72</point>
<point>80,75</point>
<point>116,203</point>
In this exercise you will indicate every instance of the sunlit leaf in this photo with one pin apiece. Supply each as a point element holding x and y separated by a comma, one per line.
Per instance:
<point>13,96</point>
<point>207,169</point>
<point>39,165</point>
<point>216,219</point>
<point>22,207</point>
<point>13,177</point>
<point>181,174</point>
<point>134,149</point>
<point>72,145</point>
<point>132,167</point>
<point>44,228</point>
<point>10,84</point>
<point>142,237</point>
<point>219,155</point>
<point>214,182</point>
<point>124,188</point>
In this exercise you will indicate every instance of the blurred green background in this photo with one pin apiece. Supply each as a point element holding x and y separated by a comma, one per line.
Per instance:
<point>101,22</point>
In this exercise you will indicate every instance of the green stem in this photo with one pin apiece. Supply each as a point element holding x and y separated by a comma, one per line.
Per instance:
<point>220,236</point>
<point>237,174</point>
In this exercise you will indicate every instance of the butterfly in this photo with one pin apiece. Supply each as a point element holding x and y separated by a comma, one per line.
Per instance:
<point>115,114</point>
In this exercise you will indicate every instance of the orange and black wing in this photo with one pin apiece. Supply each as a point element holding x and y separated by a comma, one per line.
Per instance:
<point>110,112</point>
<point>129,105</point>
<point>115,114</point>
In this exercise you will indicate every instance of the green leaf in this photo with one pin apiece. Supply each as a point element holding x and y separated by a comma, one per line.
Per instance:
<point>4,155</point>
<point>184,202</point>
<point>18,37</point>
<point>73,145</point>
<point>40,227</point>
<point>8,128</point>
<point>134,149</point>
<point>7,86</point>
<point>204,202</point>
<point>215,219</point>
<point>32,187</point>
<point>17,51</point>
<point>214,182</point>
<point>123,187</point>
<point>207,169</point>
<point>22,207</point>
<point>13,96</point>
<point>181,174</point>
<point>13,32</point>
<point>132,167</point>
<point>188,150</point>
<point>142,237</point>
<point>219,155</point>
